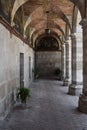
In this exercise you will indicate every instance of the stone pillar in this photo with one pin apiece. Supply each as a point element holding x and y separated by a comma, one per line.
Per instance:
<point>77,52</point>
<point>63,61</point>
<point>82,104</point>
<point>67,80</point>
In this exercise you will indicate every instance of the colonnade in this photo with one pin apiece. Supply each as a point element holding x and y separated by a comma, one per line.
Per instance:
<point>75,77</point>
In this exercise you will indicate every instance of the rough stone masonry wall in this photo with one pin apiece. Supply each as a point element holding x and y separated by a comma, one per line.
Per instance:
<point>48,62</point>
<point>10,49</point>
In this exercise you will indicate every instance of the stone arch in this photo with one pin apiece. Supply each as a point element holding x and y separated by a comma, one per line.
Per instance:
<point>39,33</point>
<point>61,14</point>
<point>17,5</point>
<point>80,6</point>
<point>55,25</point>
<point>29,19</point>
<point>74,19</point>
<point>52,35</point>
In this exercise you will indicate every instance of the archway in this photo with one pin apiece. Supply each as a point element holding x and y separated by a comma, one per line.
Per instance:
<point>48,56</point>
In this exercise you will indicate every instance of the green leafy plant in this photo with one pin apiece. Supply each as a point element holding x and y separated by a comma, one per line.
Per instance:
<point>58,73</point>
<point>23,94</point>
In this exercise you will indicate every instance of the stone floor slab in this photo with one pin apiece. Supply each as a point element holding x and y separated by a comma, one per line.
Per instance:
<point>50,108</point>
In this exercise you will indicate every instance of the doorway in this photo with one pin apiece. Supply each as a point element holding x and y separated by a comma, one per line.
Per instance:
<point>21,69</point>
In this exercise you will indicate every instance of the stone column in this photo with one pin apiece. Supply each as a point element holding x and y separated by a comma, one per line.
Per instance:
<point>67,80</point>
<point>77,52</point>
<point>82,105</point>
<point>63,61</point>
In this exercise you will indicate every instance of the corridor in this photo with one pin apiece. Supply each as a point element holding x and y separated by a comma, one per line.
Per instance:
<point>50,108</point>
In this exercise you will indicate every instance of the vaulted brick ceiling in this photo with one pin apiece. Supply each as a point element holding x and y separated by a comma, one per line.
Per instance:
<point>59,12</point>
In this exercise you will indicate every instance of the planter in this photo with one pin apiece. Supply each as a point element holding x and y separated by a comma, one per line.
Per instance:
<point>22,94</point>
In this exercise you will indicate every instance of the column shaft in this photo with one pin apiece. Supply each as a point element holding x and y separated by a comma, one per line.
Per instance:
<point>83,98</point>
<point>63,61</point>
<point>67,80</point>
<point>76,87</point>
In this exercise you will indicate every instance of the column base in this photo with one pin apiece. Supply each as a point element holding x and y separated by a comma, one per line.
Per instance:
<point>66,82</point>
<point>75,89</point>
<point>82,104</point>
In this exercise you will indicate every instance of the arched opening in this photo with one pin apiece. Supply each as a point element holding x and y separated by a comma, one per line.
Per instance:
<point>48,56</point>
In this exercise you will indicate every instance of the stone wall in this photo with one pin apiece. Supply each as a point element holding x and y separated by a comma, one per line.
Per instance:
<point>48,62</point>
<point>10,49</point>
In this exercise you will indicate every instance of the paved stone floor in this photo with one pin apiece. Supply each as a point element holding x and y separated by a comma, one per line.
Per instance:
<point>50,108</point>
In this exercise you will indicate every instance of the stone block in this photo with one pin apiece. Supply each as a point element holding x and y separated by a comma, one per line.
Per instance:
<point>75,89</point>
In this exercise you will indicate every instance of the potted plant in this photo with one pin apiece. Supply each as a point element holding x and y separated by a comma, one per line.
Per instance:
<point>58,73</point>
<point>35,71</point>
<point>23,94</point>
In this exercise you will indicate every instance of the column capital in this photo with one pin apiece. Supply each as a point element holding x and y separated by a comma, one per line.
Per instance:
<point>73,35</point>
<point>63,43</point>
<point>67,41</point>
<point>83,22</point>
